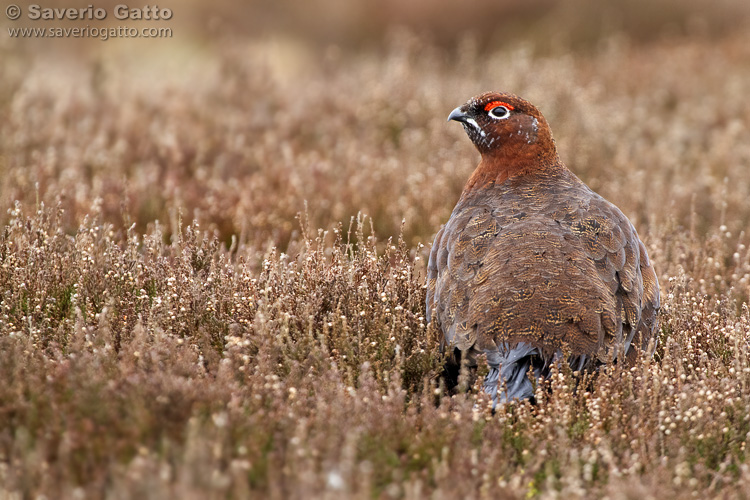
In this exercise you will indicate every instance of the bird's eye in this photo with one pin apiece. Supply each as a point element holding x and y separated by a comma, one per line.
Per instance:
<point>499,112</point>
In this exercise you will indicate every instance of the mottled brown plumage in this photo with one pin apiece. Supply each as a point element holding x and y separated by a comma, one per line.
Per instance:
<point>532,264</point>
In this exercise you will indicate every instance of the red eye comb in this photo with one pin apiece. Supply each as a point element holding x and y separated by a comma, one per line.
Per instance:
<point>494,104</point>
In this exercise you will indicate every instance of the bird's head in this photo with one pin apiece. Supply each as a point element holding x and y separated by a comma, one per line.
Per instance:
<point>504,125</point>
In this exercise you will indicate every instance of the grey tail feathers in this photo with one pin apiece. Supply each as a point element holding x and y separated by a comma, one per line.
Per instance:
<point>508,378</point>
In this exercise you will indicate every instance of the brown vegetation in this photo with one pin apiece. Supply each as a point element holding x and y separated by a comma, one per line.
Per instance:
<point>276,344</point>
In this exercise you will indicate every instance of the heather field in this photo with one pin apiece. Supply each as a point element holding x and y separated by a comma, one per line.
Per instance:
<point>213,253</point>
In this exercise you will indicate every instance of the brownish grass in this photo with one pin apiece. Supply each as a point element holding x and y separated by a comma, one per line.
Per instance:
<point>191,306</point>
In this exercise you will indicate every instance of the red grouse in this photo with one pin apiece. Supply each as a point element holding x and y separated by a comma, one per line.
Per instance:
<point>533,266</point>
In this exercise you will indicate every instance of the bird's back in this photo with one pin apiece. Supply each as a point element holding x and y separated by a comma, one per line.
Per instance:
<point>541,260</point>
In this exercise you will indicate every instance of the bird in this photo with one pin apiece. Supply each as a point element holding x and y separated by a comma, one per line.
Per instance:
<point>533,268</point>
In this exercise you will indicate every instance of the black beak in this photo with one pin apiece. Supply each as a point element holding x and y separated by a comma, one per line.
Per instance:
<point>458,115</point>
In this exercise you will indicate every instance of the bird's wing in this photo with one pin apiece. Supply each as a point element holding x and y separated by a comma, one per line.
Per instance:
<point>609,240</point>
<point>454,272</point>
<point>432,276</point>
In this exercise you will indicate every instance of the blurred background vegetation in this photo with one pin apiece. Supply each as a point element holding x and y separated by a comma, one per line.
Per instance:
<point>551,25</point>
<point>290,82</point>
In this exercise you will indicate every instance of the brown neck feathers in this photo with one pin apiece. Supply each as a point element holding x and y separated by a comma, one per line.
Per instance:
<point>514,159</point>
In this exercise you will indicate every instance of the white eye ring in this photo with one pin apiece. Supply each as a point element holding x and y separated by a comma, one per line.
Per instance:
<point>499,112</point>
